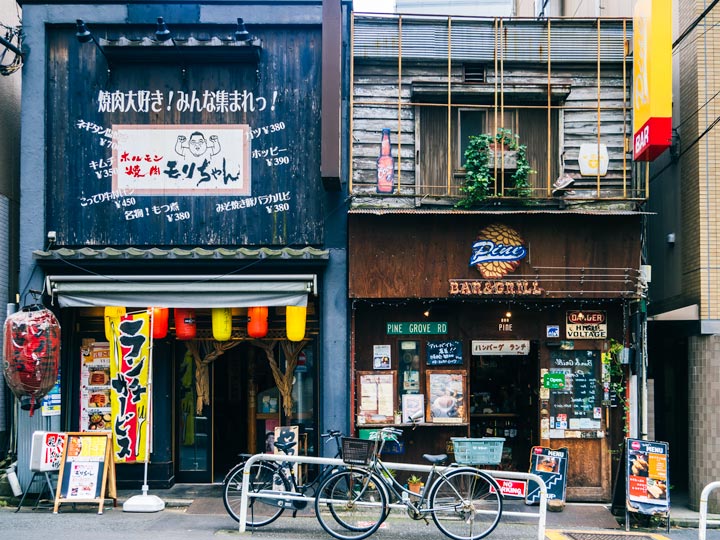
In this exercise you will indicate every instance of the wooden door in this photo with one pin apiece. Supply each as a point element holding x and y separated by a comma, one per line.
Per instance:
<point>572,417</point>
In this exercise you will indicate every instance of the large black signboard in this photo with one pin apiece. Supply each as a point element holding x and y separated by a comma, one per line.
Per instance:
<point>222,150</point>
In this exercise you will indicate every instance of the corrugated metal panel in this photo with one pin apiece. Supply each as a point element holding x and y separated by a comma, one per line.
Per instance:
<point>475,39</point>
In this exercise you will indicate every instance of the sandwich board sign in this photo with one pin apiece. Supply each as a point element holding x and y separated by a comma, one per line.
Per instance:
<point>647,478</point>
<point>551,466</point>
<point>87,470</point>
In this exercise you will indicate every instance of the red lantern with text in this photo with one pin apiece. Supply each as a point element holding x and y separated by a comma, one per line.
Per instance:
<point>31,353</point>
<point>185,325</point>
<point>160,322</point>
<point>257,321</point>
<point>295,317</point>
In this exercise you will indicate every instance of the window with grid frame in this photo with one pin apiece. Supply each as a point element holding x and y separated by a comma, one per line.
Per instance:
<point>433,149</point>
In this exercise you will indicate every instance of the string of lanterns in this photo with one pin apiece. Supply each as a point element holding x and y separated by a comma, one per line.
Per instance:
<point>186,322</point>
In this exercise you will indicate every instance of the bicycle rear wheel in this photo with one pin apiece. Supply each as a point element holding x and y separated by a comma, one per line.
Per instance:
<point>350,504</point>
<point>261,511</point>
<point>466,504</point>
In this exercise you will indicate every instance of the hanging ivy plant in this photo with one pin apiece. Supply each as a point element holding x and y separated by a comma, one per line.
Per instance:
<point>480,173</point>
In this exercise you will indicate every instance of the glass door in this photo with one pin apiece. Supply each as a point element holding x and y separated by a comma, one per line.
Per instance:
<point>194,448</point>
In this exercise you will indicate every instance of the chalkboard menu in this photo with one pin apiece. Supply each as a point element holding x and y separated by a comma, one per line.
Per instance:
<point>444,353</point>
<point>577,404</point>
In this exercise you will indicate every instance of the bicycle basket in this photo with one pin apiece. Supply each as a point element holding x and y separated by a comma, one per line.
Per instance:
<point>357,451</point>
<point>483,451</point>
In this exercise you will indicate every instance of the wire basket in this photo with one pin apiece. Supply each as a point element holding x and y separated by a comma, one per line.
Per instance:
<point>357,451</point>
<point>483,451</point>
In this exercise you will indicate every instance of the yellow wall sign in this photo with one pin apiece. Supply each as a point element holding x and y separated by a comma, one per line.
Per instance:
<point>652,78</point>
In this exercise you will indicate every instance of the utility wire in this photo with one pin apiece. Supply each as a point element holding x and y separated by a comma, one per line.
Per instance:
<point>695,23</point>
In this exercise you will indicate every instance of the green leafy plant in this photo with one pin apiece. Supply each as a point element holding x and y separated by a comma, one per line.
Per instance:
<point>617,377</point>
<point>414,479</point>
<point>480,173</point>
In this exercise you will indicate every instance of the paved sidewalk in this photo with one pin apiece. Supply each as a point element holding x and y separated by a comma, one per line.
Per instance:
<point>207,498</point>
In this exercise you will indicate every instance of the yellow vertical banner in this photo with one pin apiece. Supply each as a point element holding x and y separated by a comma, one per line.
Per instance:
<point>129,374</point>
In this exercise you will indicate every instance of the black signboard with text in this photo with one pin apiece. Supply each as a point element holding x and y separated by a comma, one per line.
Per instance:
<point>444,353</point>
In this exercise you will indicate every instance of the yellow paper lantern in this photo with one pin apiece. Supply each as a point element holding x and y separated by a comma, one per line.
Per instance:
<point>112,314</point>
<point>295,317</point>
<point>221,323</point>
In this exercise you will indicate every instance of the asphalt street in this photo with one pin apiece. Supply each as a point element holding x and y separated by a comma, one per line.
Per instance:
<point>186,523</point>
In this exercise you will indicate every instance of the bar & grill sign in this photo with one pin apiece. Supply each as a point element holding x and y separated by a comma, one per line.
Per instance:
<point>586,325</point>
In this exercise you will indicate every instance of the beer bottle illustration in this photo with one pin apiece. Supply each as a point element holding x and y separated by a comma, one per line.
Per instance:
<point>385,165</point>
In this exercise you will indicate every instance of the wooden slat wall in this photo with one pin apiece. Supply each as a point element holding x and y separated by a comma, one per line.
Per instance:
<point>377,99</point>
<point>414,257</point>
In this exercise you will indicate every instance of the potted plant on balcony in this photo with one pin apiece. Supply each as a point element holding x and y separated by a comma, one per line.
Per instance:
<point>480,167</point>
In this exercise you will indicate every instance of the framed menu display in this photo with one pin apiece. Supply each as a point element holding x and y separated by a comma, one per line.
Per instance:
<point>446,397</point>
<point>95,409</point>
<point>376,397</point>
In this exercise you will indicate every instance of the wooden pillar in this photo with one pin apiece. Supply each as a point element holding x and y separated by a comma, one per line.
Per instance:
<point>252,402</point>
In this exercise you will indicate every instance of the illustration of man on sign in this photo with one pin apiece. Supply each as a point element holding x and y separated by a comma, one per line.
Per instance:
<point>197,153</point>
<point>197,146</point>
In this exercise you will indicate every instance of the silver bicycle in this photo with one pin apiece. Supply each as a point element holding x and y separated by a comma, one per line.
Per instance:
<point>463,502</point>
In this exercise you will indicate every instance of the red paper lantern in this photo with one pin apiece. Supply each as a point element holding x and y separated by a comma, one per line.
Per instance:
<point>32,353</point>
<point>160,322</point>
<point>185,325</point>
<point>257,321</point>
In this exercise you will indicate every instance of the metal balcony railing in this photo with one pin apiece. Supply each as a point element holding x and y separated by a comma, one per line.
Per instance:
<point>562,86</point>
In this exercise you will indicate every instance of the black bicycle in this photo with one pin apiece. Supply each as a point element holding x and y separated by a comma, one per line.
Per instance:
<point>276,485</point>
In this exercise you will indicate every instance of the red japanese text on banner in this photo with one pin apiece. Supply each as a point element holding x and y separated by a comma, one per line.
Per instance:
<point>129,361</point>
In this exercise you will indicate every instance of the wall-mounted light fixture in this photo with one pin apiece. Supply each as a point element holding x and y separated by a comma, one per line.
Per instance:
<point>241,33</point>
<point>671,238</point>
<point>84,35</point>
<point>162,33</point>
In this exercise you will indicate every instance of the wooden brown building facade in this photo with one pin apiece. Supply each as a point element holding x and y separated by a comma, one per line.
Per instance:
<point>501,317</point>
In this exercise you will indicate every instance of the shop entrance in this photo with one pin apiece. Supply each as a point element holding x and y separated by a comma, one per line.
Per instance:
<point>241,407</point>
<point>504,404</point>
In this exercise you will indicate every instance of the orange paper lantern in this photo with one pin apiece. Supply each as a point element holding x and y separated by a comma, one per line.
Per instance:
<point>160,322</point>
<point>222,323</point>
<point>257,321</point>
<point>295,317</point>
<point>185,325</point>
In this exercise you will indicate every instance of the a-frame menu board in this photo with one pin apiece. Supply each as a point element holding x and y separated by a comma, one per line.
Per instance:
<point>87,470</point>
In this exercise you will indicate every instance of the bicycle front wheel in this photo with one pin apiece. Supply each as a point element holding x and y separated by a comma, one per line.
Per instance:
<point>261,511</point>
<point>466,504</point>
<point>350,504</point>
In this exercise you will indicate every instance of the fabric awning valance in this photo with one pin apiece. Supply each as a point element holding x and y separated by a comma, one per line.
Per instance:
<point>183,291</point>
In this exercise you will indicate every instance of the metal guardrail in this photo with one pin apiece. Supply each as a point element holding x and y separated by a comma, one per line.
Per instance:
<point>704,496</point>
<point>540,515</point>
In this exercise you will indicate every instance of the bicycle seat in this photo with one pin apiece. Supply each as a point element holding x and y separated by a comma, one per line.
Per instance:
<point>285,446</point>
<point>435,458</point>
